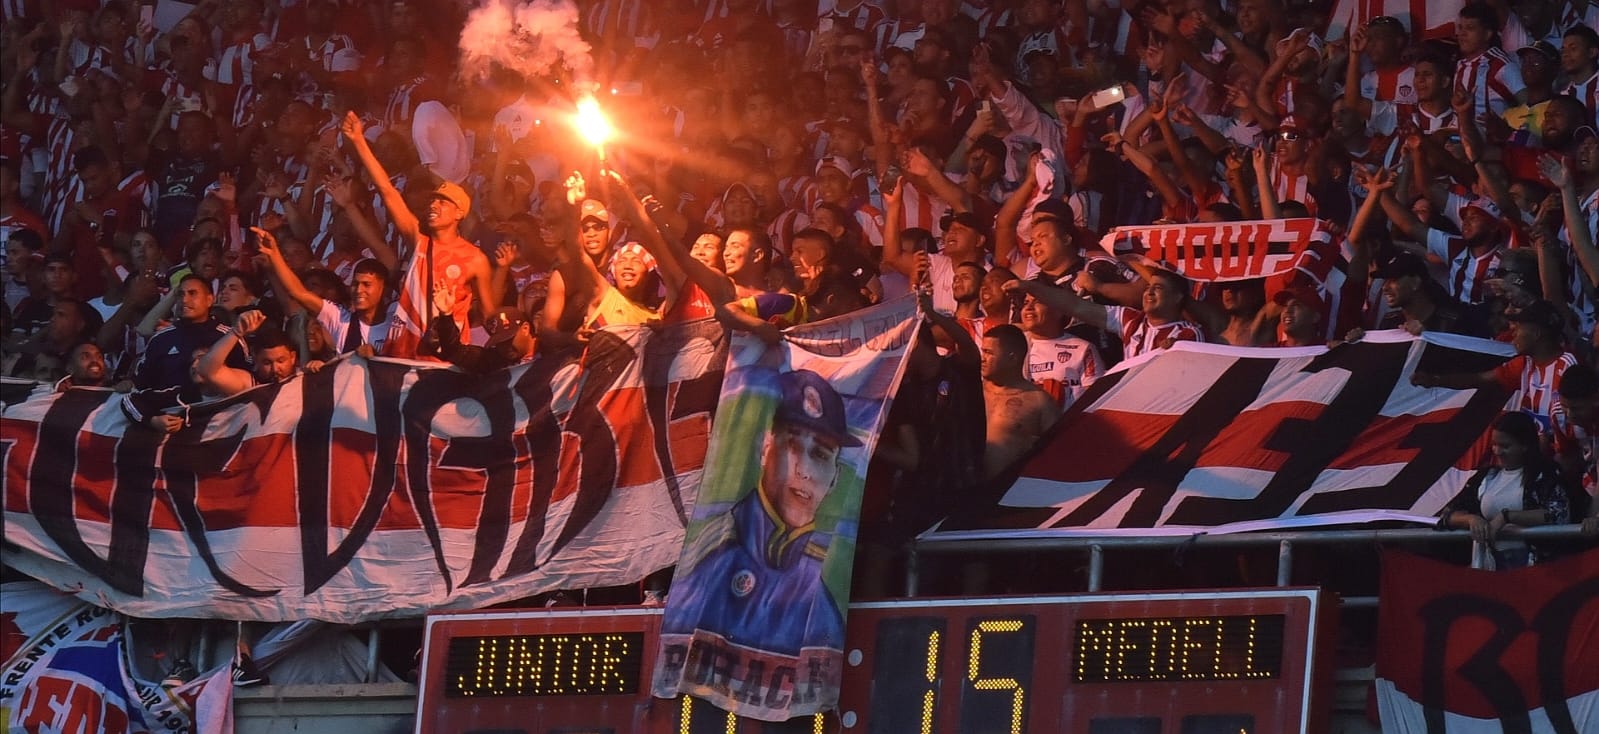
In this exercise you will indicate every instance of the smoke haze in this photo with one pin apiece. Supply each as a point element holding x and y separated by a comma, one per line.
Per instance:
<point>529,37</point>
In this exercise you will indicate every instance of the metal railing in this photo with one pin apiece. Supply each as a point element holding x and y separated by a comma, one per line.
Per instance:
<point>1097,548</point>
<point>1284,540</point>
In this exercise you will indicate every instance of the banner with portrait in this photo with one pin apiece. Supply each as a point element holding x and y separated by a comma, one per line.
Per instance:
<point>755,619</point>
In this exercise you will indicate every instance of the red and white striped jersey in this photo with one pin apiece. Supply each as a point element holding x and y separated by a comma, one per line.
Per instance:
<point>1587,92</point>
<point>1571,437</point>
<point>1291,187</point>
<point>1141,337</point>
<point>870,219</point>
<point>862,17</point>
<point>236,65</point>
<point>782,229</point>
<point>12,11</point>
<point>1576,276</point>
<point>142,191</point>
<point>1468,273</point>
<point>402,102</point>
<point>924,210</point>
<point>1493,78</point>
<point>623,22</point>
<point>1396,85</point>
<point>1537,385</point>
<point>798,191</point>
<point>1065,366</point>
<point>1388,117</point>
<point>993,19</point>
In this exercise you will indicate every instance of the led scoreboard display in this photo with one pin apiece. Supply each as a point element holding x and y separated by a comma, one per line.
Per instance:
<point>1160,663</point>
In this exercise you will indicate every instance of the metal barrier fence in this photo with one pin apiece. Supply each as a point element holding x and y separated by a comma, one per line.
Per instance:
<point>1097,547</point>
<point>1284,540</point>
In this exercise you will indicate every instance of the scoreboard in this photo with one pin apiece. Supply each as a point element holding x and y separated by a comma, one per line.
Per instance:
<point>1209,662</point>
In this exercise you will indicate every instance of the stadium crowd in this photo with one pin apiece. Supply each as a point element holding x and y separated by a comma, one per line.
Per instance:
<point>194,210</point>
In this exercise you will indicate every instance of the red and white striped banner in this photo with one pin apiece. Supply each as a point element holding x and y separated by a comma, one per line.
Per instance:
<point>371,489</point>
<point>1224,251</point>
<point>1207,438</point>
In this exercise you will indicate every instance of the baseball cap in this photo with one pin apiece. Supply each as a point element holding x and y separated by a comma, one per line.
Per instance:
<point>805,399</point>
<point>1299,292</point>
<point>1295,123</point>
<point>453,193</point>
<point>836,161</point>
<point>1400,265</point>
<point>1053,208</point>
<point>594,209</point>
<point>969,220</point>
<point>502,325</point>
<point>1542,313</point>
<point>1484,205</point>
<point>1543,47</point>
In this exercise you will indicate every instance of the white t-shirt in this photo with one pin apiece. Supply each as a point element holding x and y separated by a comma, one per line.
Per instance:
<point>336,320</point>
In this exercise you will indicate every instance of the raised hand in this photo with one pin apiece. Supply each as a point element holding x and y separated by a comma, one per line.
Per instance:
<point>265,242</point>
<point>504,255</point>
<point>893,196</point>
<point>917,163</point>
<point>352,127</point>
<point>869,72</point>
<point>1555,171</point>
<point>227,188</point>
<point>249,322</point>
<point>1462,102</point>
<point>339,190</point>
<point>1357,41</point>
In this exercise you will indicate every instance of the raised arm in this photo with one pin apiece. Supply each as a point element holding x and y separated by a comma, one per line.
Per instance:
<point>283,278</point>
<point>1007,250</point>
<point>213,367</point>
<point>894,254</point>
<point>152,320</point>
<point>1166,187</point>
<point>1582,238</point>
<point>1267,194</point>
<point>1353,99</point>
<point>1063,300</point>
<point>365,227</point>
<point>404,221</point>
<point>1402,217</point>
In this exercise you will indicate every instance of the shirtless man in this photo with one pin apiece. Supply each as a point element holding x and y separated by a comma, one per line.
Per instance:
<point>462,276</point>
<point>1019,411</point>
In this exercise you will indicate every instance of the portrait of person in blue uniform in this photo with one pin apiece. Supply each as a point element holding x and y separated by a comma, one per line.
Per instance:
<point>754,575</point>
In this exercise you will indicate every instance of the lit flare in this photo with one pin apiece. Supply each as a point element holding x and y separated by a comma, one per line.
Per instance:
<point>591,122</point>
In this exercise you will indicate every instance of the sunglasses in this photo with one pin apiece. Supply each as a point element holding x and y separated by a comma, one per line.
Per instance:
<point>595,227</point>
<point>1289,136</point>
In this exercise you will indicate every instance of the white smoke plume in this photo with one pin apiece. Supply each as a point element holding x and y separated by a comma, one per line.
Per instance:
<point>529,37</point>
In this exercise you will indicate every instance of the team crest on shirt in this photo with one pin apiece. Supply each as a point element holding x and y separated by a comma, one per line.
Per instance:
<point>1405,92</point>
<point>743,583</point>
<point>811,402</point>
<point>453,271</point>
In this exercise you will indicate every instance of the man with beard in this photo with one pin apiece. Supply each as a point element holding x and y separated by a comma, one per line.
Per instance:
<point>45,357</point>
<point>85,368</point>
<point>166,359</point>
<point>1413,299</point>
<point>276,359</point>
<point>1471,256</point>
<point>967,287</point>
<point>461,277</point>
